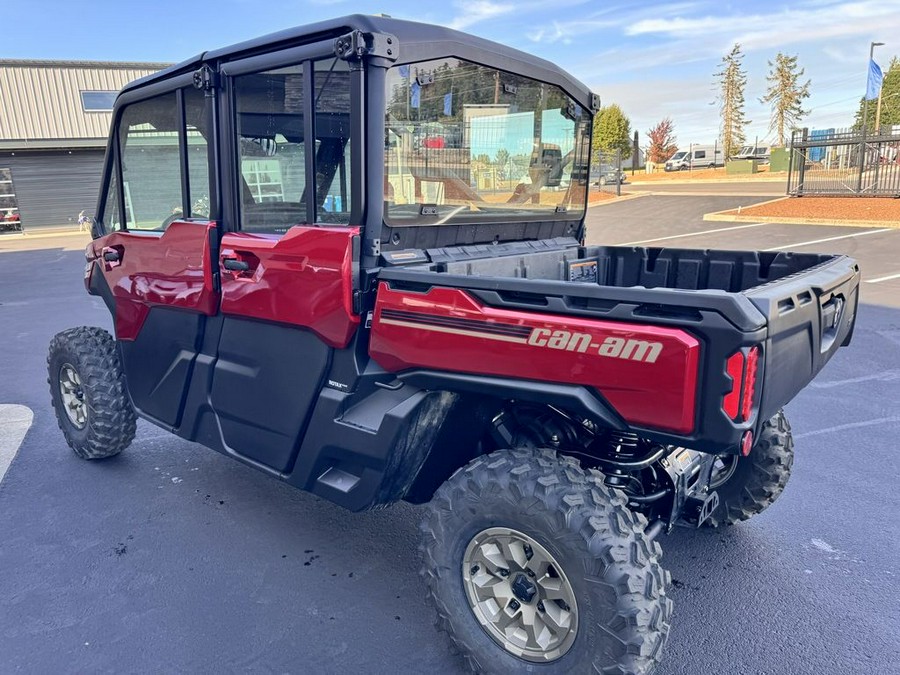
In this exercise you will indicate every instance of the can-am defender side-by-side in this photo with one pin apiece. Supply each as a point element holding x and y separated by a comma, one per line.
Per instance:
<point>352,255</point>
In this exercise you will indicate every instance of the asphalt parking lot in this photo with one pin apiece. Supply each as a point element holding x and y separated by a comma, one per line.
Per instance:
<point>173,558</point>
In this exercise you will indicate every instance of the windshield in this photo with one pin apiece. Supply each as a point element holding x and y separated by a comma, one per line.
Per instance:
<point>678,155</point>
<point>468,143</point>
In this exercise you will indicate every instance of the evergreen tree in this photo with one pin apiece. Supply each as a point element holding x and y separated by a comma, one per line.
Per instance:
<point>890,101</point>
<point>612,130</point>
<point>785,95</point>
<point>662,141</point>
<point>731,81</point>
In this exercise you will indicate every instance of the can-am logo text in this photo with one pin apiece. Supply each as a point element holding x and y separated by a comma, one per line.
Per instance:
<point>613,347</point>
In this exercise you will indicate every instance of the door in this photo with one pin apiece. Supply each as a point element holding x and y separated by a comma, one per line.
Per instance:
<point>288,257</point>
<point>155,265</point>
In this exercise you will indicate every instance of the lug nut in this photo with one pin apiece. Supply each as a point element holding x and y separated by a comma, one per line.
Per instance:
<point>503,572</point>
<point>529,573</point>
<point>514,605</point>
<point>474,569</point>
<point>540,606</point>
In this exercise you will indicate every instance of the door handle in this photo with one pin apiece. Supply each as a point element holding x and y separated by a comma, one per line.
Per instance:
<point>235,265</point>
<point>112,256</point>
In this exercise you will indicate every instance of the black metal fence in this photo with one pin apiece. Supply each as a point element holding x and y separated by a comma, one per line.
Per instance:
<point>607,173</point>
<point>836,162</point>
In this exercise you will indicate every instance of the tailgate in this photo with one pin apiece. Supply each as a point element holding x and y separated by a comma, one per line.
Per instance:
<point>810,315</point>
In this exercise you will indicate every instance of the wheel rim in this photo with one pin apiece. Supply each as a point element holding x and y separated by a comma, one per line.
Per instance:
<point>723,469</point>
<point>72,394</point>
<point>520,594</point>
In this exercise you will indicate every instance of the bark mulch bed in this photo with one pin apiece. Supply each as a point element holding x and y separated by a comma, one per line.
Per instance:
<point>882,209</point>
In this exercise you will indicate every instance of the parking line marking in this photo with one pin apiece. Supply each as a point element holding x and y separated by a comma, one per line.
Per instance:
<point>692,234</point>
<point>15,421</point>
<point>822,241</point>
<point>851,425</point>
<point>878,280</point>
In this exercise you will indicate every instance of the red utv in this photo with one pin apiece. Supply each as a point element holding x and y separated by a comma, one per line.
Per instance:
<point>295,285</point>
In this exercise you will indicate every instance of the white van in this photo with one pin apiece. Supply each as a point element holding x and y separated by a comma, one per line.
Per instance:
<point>696,157</point>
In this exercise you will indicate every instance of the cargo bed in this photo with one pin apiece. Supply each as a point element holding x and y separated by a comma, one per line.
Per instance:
<point>799,308</point>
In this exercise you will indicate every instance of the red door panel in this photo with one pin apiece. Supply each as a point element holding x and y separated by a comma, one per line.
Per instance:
<point>171,270</point>
<point>304,278</point>
<point>648,374</point>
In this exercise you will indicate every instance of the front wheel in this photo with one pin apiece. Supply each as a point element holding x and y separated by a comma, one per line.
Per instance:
<point>749,485</point>
<point>88,392</point>
<point>535,566</point>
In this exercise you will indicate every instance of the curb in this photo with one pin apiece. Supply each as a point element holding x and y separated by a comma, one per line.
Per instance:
<point>617,200</point>
<point>15,421</point>
<point>701,181</point>
<point>43,234</point>
<point>722,217</point>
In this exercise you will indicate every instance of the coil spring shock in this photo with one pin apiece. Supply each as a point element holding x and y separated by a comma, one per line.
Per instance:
<point>624,443</point>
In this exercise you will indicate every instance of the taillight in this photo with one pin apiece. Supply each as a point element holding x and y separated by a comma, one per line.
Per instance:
<point>749,383</point>
<point>739,399</point>
<point>735,369</point>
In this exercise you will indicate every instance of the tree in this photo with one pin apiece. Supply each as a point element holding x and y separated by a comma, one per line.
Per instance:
<point>612,130</point>
<point>662,141</point>
<point>785,95</point>
<point>502,157</point>
<point>890,100</point>
<point>731,81</point>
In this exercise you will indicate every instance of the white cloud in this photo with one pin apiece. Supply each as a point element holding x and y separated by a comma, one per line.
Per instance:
<point>470,12</point>
<point>816,22</point>
<point>609,17</point>
<point>479,10</point>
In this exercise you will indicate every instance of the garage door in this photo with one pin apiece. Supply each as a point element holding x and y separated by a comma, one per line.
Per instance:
<point>53,187</point>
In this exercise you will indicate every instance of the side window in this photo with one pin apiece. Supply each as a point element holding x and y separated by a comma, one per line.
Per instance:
<point>151,133</point>
<point>700,154</point>
<point>198,127</point>
<point>151,167</point>
<point>277,177</point>
<point>270,118</point>
<point>332,87</point>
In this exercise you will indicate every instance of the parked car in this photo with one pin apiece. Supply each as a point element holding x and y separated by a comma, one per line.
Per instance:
<point>11,222</point>
<point>696,157</point>
<point>608,174</point>
<point>559,406</point>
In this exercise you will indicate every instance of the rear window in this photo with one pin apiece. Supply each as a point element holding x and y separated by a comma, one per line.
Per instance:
<point>468,143</point>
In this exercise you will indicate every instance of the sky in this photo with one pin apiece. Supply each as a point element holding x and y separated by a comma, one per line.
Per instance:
<point>654,59</point>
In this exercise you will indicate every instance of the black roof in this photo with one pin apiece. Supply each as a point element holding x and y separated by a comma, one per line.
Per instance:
<point>417,41</point>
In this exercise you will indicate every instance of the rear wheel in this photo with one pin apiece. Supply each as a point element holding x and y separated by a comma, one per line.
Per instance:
<point>749,485</point>
<point>535,566</point>
<point>88,393</point>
